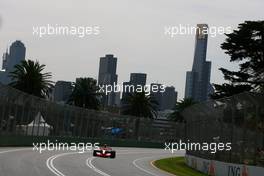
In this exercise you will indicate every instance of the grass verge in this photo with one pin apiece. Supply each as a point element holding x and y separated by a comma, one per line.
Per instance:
<point>177,167</point>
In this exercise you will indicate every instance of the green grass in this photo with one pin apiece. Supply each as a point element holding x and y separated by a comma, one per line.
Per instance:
<point>177,167</point>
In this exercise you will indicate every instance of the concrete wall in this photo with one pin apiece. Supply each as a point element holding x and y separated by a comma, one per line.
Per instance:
<point>217,168</point>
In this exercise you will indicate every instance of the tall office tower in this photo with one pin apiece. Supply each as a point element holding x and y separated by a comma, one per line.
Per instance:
<point>138,79</point>
<point>117,99</point>
<point>107,76</point>
<point>127,88</point>
<point>169,98</point>
<point>62,91</point>
<point>2,76</point>
<point>17,53</point>
<point>156,93</point>
<point>4,63</point>
<point>198,80</point>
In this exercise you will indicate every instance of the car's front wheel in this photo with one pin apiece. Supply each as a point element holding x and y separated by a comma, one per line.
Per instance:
<point>94,153</point>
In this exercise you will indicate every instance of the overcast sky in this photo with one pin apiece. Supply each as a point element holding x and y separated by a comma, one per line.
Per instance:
<point>132,30</point>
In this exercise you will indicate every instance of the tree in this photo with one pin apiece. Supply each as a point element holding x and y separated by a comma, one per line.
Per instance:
<point>141,105</point>
<point>227,90</point>
<point>85,94</point>
<point>179,108</point>
<point>28,77</point>
<point>246,47</point>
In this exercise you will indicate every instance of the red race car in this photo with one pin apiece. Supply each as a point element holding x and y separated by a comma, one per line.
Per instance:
<point>105,152</point>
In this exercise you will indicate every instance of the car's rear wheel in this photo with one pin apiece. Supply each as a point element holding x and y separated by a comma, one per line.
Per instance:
<point>113,154</point>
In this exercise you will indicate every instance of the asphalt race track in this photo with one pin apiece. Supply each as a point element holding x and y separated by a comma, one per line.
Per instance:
<point>128,162</point>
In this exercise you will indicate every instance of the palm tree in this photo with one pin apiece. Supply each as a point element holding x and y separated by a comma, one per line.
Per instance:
<point>141,105</point>
<point>85,94</point>
<point>28,77</point>
<point>179,108</point>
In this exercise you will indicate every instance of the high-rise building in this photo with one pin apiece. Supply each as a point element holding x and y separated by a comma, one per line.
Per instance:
<point>62,91</point>
<point>16,54</point>
<point>198,80</point>
<point>156,93</point>
<point>126,89</point>
<point>5,58</point>
<point>169,98</point>
<point>2,76</point>
<point>107,76</point>
<point>166,97</point>
<point>138,79</point>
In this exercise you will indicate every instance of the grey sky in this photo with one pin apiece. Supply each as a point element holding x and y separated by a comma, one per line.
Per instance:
<point>132,30</point>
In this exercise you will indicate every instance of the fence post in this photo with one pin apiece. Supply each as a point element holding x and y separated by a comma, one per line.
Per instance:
<point>136,128</point>
<point>232,127</point>
<point>256,136</point>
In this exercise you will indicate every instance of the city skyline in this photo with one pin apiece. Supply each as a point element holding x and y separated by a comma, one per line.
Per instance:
<point>135,37</point>
<point>107,76</point>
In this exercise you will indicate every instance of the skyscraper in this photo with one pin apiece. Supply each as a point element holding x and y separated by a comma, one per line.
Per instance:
<point>198,80</point>
<point>169,98</point>
<point>17,53</point>
<point>138,79</point>
<point>166,97</point>
<point>107,76</point>
<point>5,58</point>
<point>62,91</point>
<point>157,94</point>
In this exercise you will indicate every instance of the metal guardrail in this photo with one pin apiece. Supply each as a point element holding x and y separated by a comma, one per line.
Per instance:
<point>23,114</point>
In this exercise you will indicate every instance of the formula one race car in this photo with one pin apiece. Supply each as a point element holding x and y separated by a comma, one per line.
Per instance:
<point>104,152</point>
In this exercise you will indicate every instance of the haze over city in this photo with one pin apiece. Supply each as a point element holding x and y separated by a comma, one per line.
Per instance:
<point>132,31</point>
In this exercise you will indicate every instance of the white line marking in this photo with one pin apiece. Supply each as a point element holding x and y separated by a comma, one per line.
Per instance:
<point>142,169</point>
<point>50,165</point>
<point>90,165</point>
<point>52,168</point>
